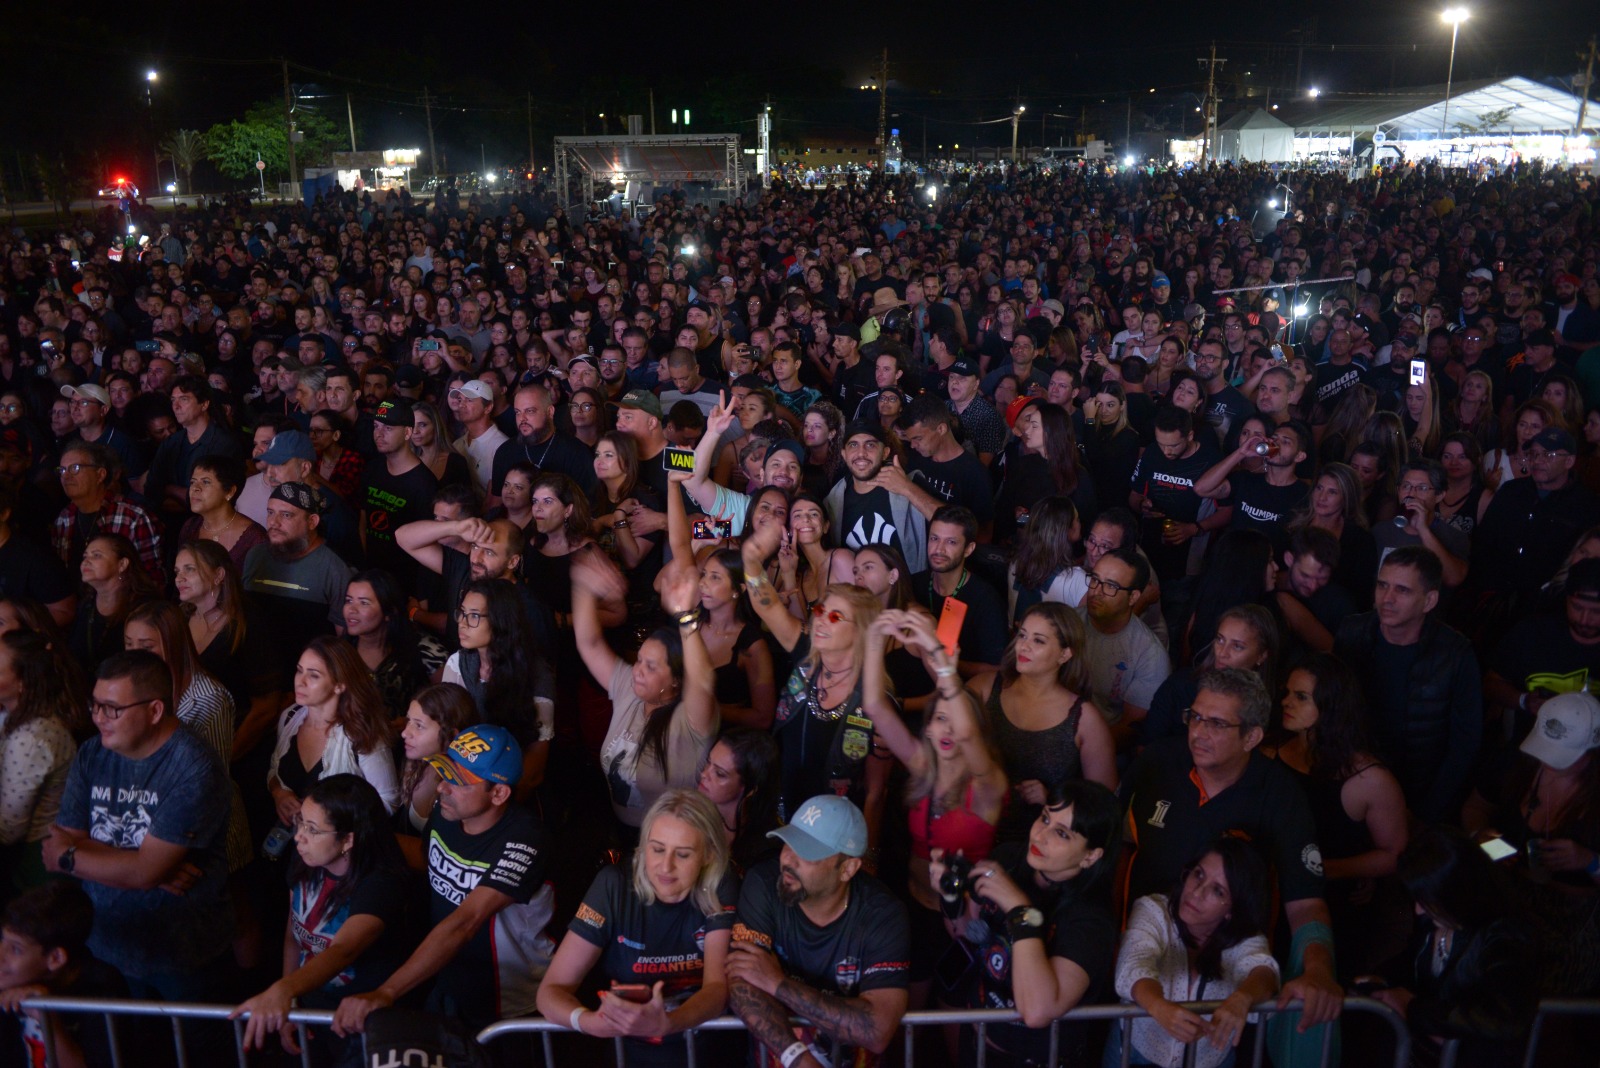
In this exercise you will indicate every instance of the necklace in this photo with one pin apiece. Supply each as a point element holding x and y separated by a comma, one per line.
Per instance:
<point>205,528</point>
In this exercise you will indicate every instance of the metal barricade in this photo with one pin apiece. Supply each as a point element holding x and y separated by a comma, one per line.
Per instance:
<point>1549,1007</point>
<point>985,1018</point>
<point>176,1012</point>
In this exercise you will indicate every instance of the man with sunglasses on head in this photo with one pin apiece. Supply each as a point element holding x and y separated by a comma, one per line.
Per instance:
<point>1183,794</point>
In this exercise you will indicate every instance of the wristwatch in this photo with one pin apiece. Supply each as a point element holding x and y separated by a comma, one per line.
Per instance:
<point>1024,921</point>
<point>68,860</point>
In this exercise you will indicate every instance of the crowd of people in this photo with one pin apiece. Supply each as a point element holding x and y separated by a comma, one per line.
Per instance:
<point>819,608</point>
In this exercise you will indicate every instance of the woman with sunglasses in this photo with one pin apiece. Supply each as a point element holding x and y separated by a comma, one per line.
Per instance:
<point>348,888</point>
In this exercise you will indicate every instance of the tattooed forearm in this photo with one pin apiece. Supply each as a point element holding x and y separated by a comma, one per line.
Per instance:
<point>848,1020</point>
<point>763,1014</point>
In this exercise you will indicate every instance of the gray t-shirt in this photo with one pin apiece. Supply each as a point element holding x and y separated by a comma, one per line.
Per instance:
<point>1124,668</point>
<point>635,777</point>
<point>1391,536</point>
<point>182,795</point>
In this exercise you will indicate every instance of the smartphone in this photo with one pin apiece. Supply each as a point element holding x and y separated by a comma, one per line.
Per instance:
<point>951,617</point>
<point>47,347</point>
<point>1498,848</point>
<point>147,346</point>
<point>712,529</point>
<point>429,344</point>
<point>1094,343</point>
<point>1419,372</point>
<point>679,459</point>
<point>637,993</point>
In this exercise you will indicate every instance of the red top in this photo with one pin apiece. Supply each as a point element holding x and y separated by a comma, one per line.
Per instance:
<point>957,829</point>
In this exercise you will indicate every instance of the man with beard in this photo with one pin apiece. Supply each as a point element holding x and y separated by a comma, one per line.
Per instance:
<point>952,537</point>
<point>1552,654</point>
<point>292,458</point>
<point>819,938</point>
<point>1125,659</point>
<point>539,443</point>
<point>862,510</point>
<point>295,580</point>
<point>494,551</point>
<point>780,468</point>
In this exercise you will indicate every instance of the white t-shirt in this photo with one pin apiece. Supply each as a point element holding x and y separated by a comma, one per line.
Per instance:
<point>481,453</point>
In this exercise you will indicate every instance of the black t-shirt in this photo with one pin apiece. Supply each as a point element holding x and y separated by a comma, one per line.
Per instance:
<point>1169,486</point>
<point>852,384</point>
<point>1541,654</point>
<point>1170,820</point>
<point>962,480</point>
<point>28,569</point>
<point>561,452</point>
<point>314,923</point>
<point>1077,928</point>
<point>22,1042</point>
<point>1259,505</point>
<point>644,944</point>
<point>983,630</point>
<point>867,948</point>
<point>389,502</point>
<point>1224,409</point>
<point>1332,382</point>
<point>496,973</point>
<point>869,520</point>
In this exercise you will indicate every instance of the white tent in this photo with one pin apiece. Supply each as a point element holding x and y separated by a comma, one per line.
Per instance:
<point>1254,136</point>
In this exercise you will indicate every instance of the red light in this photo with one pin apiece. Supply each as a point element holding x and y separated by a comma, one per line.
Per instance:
<point>122,181</point>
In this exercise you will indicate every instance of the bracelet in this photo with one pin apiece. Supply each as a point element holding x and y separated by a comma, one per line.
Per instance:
<point>688,618</point>
<point>411,613</point>
<point>793,1053</point>
<point>577,1015</point>
<point>620,523</point>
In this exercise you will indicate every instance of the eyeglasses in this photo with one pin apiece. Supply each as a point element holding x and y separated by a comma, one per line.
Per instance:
<point>73,469</point>
<point>582,406</point>
<point>112,713</point>
<point>1206,724</point>
<point>1544,454</point>
<point>1113,588</point>
<point>832,615</point>
<point>310,828</point>
<point>471,619</point>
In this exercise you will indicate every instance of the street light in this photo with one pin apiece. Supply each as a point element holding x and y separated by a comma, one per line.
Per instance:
<point>150,79</point>
<point>1016,114</point>
<point>1455,16</point>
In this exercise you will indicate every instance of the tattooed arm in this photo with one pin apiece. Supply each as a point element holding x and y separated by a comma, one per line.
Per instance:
<point>764,1015</point>
<point>868,1020</point>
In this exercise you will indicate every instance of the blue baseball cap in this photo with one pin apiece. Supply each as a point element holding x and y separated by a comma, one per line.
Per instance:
<point>289,445</point>
<point>825,826</point>
<point>484,753</point>
<point>1160,280</point>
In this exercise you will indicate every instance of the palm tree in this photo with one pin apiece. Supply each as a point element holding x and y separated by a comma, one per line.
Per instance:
<point>185,148</point>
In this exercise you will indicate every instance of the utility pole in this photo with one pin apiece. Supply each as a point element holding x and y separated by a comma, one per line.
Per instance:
<point>883,113</point>
<point>1017,109</point>
<point>1588,83</point>
<point>530,133</point>
<point>652,112</point>
<point>1209,110</point>
<point>427,106</point>
<point>288,118</point>
<point>350,111</point>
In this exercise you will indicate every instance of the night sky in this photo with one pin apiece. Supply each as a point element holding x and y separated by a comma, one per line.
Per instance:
<point>1074,65</point>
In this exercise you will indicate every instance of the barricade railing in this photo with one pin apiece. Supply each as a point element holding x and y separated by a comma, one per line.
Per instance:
<point>986,1018</point>
<point>176,1012</point>
<point>1547,1008</point>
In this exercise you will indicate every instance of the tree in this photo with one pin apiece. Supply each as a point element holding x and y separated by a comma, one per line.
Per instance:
<point>185,148</point>
<point>234,146</point>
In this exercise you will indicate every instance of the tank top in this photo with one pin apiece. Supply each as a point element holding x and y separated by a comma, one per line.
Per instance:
<point>732,681</point>
<point>1050,756</point>
<point>955,829</point>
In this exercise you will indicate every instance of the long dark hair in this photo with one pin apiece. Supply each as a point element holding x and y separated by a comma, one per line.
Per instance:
<point>354,808</point>
<point>653,739</point>
<point>1338,739</point>
<point>1236,575</point>
<point>1095,815</point>
<point>1060,447</point>
<point>517,672</point>
<point>50,686</point>
<point>755,757</point>
<point>1246,874</point>
<point>1045,547</point>
<point>900,595</point>
<point>360,712</point>
<point>399,636</point>
<point>578,524</point>
<point>1447,874</point>
<point>731,561</point>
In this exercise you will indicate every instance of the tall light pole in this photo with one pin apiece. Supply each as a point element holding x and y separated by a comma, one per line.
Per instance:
<point>1455,16</point>
<point>1016,115</point>
<point>150,79</point>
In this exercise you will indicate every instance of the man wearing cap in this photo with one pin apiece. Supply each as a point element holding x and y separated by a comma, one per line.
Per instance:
<point>489,901</point>
<point>639,416</point>
<point>852,377</point>
<point>781,467</point>
<point>89,406</point>
<point>1551,653</point>
<point>474,406</point>
<point>296,580</point>
<point>981,426</point>
<point>1526,377</point>
<point>291,457</point>
<point>817,937</point>
<point>1533,522</point>
<point>862,510</point>
<point>1161,299</point>
<point>396,488</point>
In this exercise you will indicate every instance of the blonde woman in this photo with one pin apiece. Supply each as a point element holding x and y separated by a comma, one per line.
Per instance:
<point>674,902</point>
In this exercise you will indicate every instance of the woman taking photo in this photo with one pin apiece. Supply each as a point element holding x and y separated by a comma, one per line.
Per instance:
<point>1205,940</point>
<point>1356,802</point>
<point>348,888</point>
<point>214,488</point>
<point>957,788</point>
<point>740,777</point>
<point>1046,729</point>
<point>663,706</point>
<point>431,442</point>
<point>337,724</point>
<point>616,472</point>
<point>115,583</point>
<point>401,659</point>
<point>1051,939</point>
<point>41,708</point>
<point>500,666</point>
<point>433,719</point>
<point>675,901</point>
